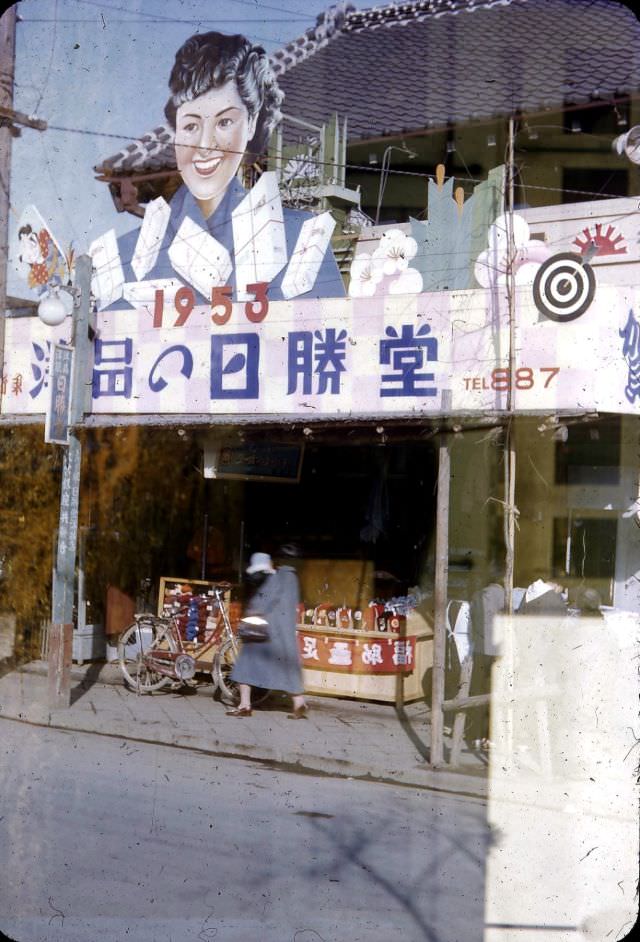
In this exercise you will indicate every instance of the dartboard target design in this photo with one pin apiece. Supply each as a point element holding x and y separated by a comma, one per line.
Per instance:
<point>564,287</point>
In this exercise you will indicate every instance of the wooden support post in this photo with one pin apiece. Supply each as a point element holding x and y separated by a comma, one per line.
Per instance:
<point>440,603</point>
<point>464,702</point>
<point>7,58</point>
<point>62,592</point>
<point>460,720</point>
<point>509,515</point>
<point>59,667</point>
<point>509,449</point>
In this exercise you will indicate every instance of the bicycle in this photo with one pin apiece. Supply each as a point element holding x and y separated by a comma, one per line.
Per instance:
<point>153,654</point>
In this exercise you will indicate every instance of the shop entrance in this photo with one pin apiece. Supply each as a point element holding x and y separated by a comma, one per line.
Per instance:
<point>362,517</point>
<point>361,514</point>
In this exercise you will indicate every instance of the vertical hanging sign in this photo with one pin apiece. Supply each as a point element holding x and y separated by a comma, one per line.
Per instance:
<point>56,425</point>
<point>64,569</point>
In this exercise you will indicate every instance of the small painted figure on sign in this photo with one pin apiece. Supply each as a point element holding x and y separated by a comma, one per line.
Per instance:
<point>39,259</point>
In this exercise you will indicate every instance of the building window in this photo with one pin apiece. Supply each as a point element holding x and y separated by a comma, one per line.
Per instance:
<point>589,453</point>
<point>598,118</point>
<point>584,548</point>
<point>583,184</point>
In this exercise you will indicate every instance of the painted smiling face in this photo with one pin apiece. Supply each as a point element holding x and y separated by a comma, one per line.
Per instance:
<point>30,250</point>
<point>212,132</point>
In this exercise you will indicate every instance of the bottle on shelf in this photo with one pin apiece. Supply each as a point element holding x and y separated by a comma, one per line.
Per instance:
<point>345,621</point>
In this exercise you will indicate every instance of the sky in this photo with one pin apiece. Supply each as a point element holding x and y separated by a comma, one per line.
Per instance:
<point>99,69</point>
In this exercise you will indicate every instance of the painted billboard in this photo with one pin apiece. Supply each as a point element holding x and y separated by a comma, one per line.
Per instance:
<point>223,105</point>
<point>428,354</point>
<point>225,302</point>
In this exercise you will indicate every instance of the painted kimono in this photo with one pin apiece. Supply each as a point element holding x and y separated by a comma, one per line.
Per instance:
<point>328,284</point>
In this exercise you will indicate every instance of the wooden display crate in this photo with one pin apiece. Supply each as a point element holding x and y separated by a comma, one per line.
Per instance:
<point>169,583</point>
<point>200,587</point>
<point>391,687</point>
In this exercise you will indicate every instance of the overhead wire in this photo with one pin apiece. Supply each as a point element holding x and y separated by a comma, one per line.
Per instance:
<point>50,63</point>
<point>168,22</point>
<point>353,167</point>
<point>252,3</point>
<point>158,17</point>
<point>349,166</point>
<point>368,168</point>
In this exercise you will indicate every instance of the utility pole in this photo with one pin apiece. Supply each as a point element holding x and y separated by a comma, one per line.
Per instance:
<point>509,446</point>
<point>61,630</point>
<point>11,123</point>
<point>7,131</point>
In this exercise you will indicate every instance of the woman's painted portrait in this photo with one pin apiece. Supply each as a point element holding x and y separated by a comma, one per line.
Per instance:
<point>223,105</point>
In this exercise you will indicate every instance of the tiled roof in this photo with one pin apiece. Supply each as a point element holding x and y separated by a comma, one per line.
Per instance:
<point>154,151</point>
<point>408,66</point>
<point>403,67</point>
<point>343,17</point>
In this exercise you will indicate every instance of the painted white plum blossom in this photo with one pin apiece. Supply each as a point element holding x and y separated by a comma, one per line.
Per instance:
<point>408,281</point>
<point>492,264</point>
<point>396,251</point>
<point>366,273</point>
<point>386,270</point>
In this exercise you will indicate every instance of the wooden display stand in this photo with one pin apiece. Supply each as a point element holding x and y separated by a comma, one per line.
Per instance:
<point>392,687</point>
<point>336,580</point>
<point>168,585</point>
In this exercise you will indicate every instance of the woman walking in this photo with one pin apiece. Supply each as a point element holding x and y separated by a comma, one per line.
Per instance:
<point>275,663</point>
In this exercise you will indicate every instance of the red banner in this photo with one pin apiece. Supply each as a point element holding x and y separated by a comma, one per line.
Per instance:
<point>355,655</point>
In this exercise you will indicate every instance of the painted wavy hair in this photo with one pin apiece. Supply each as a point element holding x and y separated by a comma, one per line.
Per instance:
<point>210,60</point>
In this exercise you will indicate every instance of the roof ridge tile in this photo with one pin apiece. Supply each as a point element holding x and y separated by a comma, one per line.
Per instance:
<point>328,25</point>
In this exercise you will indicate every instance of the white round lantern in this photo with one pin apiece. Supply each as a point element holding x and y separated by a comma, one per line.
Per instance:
<point>54,306</point>
<point>629,144</point>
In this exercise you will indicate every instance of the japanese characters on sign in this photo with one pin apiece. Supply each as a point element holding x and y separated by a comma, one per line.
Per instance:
<point>332,357</point>
<point>355,655</point>
<point>631,352</point>
<point>56,426</point>
<point>258,461</point>
<point>68,522</point>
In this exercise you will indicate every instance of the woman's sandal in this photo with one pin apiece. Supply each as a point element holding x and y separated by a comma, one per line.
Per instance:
<point>239,712</point>
<point>299,713</point>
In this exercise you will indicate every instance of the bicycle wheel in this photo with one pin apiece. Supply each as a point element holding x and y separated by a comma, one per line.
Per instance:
<point>226,688</point>
<point>222,666</point>
<point>133,642</point>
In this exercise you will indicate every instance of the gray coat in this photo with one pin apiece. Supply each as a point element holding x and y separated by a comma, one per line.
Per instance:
<point>273,664</point>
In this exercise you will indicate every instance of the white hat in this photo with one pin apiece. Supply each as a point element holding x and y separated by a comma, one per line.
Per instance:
<point>260,562</point>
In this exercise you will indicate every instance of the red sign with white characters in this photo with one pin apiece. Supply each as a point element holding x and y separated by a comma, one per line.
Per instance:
<point>357,656</point>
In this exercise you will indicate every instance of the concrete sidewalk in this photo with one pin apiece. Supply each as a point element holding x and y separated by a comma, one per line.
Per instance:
<point>344,738</point>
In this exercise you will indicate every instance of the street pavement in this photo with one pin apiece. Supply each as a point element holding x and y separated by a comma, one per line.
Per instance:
<point>553,853</point>
<point>344,738</point>
<point>102,838</point>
